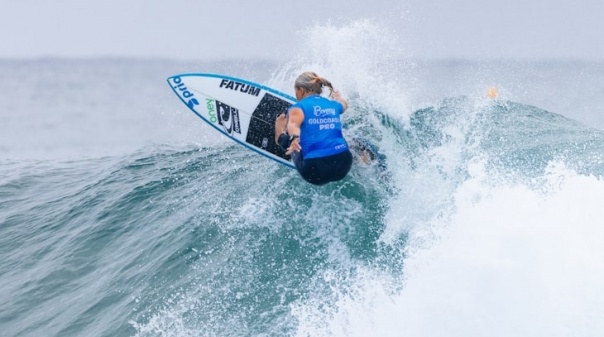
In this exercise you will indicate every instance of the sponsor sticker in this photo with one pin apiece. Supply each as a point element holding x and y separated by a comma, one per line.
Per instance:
<point>228,117</point>
<point>238,86</point>
<point>184,92</point>
<point>211,110</point>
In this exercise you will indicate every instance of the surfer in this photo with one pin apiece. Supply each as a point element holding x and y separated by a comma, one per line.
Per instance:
<point>311,131</point>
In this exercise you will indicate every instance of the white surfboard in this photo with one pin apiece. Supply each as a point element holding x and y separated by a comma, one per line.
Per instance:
<point>241,110</point>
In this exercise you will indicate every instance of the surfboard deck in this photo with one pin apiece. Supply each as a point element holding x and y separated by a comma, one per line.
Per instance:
<point>240,109</point>
<point>245,111</point>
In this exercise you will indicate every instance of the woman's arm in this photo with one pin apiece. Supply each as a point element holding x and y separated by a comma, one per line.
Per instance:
<point>280,126</point>
<point>296,117</point>
<point>338,97</point>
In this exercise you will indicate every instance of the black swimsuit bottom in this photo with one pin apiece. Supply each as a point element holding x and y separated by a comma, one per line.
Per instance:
<point>319,171</point>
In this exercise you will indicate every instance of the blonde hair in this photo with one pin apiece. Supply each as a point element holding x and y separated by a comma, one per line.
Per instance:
<point>313,83</point>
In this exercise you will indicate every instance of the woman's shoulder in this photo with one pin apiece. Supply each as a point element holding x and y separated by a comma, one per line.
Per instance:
<point>316,99</point>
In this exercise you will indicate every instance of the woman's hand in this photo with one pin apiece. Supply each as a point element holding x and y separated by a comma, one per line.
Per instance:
<point>294,146</point>
<point>280,126</point>
<point>337,96</point>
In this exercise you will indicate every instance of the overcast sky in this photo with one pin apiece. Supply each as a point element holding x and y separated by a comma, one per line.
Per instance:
<point>205,29</point>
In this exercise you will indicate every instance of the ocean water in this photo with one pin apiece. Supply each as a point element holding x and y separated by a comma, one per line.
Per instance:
<point>122,214</point>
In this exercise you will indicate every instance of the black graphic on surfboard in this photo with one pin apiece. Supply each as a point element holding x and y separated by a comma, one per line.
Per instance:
<point>261,132</point>
<point>228,117</point>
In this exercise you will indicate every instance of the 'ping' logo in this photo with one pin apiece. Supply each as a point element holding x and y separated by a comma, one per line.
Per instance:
<point>187,95</point>
<point>228,117</point>
<point>245,88</point>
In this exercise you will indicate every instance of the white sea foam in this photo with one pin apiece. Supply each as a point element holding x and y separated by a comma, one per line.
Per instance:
<point>510,260</point>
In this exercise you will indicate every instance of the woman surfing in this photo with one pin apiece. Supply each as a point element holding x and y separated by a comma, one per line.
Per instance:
<point>311,131</point>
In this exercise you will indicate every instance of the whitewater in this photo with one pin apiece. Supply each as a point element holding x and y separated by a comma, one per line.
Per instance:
<point>123,214</point>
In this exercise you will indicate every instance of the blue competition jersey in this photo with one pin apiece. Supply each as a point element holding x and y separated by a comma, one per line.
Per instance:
<point>321,131</point>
